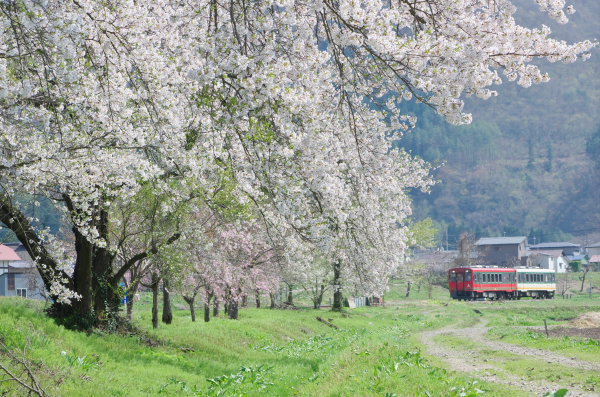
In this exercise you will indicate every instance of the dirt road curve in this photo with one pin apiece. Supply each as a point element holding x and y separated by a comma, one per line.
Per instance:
<point>469,362</point>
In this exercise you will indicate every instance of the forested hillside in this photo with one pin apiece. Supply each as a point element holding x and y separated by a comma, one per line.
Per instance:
<point>526,163</point>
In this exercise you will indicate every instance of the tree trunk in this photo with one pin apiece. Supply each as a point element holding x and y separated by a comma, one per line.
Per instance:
<point>290,296</point>
<point>318,298</point>
<point>131,291</point>
<point>587,268</point>
<point>209,297</point>
<point>190,301</point>
<point>232,310</point>
<point>82,276</point>
<point>216,308</point>
<point>167,313</point>
<point>408,285</point>
<point>337,286</point>
<point>106,299</point>
<point>272,296</point>
<point>245,301</point>
<point>155,282</point>
<point>257,300</point>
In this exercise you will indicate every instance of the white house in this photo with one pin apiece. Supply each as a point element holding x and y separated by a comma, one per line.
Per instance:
<point>542,260</point>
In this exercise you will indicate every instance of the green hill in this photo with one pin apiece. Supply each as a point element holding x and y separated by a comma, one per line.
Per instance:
<point>522,166</point>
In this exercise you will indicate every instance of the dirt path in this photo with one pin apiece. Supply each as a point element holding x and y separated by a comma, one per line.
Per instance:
<point>470,362</point>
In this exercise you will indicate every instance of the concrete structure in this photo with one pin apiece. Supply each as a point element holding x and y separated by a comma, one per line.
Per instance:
<point>502,251</point>
<point>566,248</point>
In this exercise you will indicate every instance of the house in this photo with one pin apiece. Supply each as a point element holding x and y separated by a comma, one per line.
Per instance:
<point>577,262</point>
<point>558,263</point>
<point>502,251</point>
<point>19,277</point>
<point>595,263</point>
<point>565,248</point>
<point>593,249</point>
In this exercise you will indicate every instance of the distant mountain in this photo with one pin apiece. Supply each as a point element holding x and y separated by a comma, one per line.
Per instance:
<point>522,166</point>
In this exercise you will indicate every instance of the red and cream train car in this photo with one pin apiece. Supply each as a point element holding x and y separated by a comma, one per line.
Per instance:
<point>470,283</point>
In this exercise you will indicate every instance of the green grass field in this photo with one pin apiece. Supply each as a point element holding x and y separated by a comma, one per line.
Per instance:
<point>376,351</point>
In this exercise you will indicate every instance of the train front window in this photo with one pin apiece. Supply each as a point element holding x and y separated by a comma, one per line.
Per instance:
<point>453,276</point>
<point>468,276</point>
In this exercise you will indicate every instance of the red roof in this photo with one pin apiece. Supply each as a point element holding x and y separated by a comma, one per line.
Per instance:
<point>7,254</point>
<point>595,258</point>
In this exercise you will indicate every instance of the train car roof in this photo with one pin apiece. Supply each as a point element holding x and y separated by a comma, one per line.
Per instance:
<point>484,268</point>
<point>533,270</point>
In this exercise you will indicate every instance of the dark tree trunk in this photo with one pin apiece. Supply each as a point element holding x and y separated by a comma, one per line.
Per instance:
<point>206,312</point>
<point>272,297</point>
<point>245,301</point>
<point>408,285</point>
<point>209,297</point>
<point>318,297</point>
<point>338,300</point>
<point>290,296</point>
<point>155,283</point>
<point>82,276</point>
<point>257,298</point>
<point>216,308</point>
<point>190,301</point>
<point>167,312</point>
<point>232,310</point>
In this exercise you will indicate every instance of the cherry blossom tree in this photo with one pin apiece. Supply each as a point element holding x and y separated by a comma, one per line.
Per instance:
<point>294,101</point>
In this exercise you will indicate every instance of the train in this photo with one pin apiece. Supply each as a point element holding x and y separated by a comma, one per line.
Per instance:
<point>492,283</point>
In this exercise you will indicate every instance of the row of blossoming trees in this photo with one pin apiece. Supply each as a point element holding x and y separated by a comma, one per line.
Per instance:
<point>279,113</point>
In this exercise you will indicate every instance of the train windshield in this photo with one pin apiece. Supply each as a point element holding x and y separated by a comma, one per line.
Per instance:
<point>468,275</point>
<point>453,276</point>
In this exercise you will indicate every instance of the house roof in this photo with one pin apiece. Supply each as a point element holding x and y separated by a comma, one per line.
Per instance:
<point>551,252</point>
<point>595,258</point>
<point>8,254</point>
<point>595,245</point>
<point>576,258</point>
<point>559,244</point>
<point>500,240</point>
<point>21,265</point>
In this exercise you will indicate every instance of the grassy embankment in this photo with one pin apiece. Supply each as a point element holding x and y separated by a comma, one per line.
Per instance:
<point>375,351</point>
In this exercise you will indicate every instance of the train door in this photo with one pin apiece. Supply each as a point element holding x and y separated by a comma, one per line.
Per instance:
<point>460,284</point>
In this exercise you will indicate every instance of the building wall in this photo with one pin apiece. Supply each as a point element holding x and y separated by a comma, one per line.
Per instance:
<point>31,282</point>
<point>556,263</point>
<point>593,251</point>
<point>502,254</point>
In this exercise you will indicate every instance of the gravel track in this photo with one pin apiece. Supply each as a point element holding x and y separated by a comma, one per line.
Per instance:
<point>470,362</point>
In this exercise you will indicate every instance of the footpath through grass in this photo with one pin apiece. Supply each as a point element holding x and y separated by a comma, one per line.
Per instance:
<point>374,351</point>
